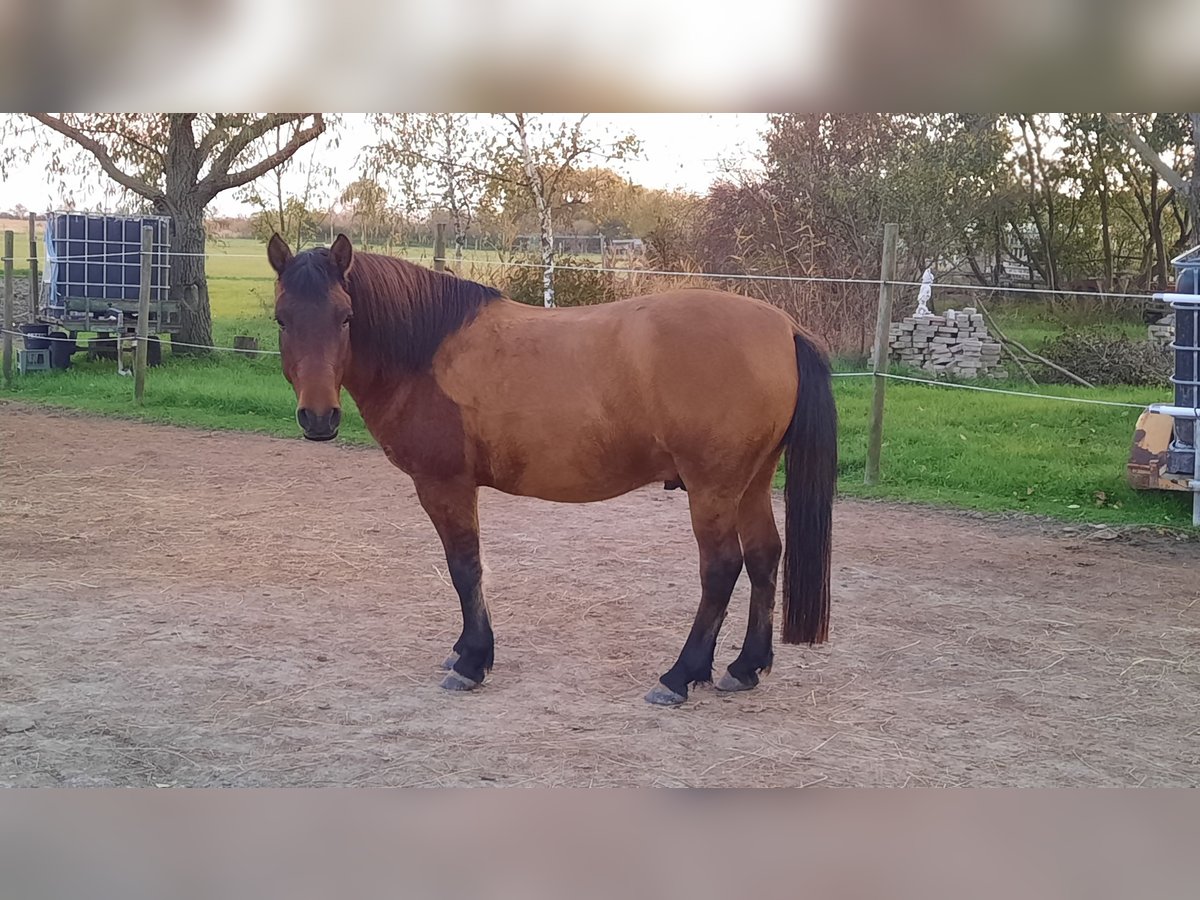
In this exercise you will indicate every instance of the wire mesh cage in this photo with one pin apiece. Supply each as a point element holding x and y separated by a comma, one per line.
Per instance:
<point>1186,303</point>
<point>94,270</point>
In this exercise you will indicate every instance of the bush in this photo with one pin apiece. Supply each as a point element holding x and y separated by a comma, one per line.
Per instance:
<point>579,284</point>
<point>1108,359</point>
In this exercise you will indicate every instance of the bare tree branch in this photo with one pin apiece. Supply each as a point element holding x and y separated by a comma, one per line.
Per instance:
<point>221,179</point>
<point>213,137</point>
<point>1146,152</point>
<point>490,174</point>
<point>249,132</point>
<point>127,135</point>
<point>94,147</point>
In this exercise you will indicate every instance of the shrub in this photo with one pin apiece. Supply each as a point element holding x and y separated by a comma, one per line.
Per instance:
<point>1108,359</point>
<point>576,282</point>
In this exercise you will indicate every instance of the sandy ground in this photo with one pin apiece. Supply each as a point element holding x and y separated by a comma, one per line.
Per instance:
<point>180,607</point>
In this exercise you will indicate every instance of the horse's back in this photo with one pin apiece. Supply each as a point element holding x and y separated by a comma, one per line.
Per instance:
<point>678,355</point>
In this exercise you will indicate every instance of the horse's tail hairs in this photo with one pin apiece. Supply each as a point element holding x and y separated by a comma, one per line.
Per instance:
<point>811,472</point>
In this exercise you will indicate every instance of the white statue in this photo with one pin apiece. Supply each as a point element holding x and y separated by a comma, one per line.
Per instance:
<point>925,293</point>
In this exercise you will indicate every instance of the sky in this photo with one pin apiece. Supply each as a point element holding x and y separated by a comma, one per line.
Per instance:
<point>679,151</point>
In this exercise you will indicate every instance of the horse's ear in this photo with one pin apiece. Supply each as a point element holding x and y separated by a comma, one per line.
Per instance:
<point>279,254</point>
<point>343,254</point>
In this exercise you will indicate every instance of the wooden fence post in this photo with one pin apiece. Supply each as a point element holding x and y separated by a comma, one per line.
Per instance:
<point>34,283</point>
<point>879,364</point>
<point>439,248</point>
<point>245,345</point>
<point>143,322</point>
<point>8,306</point>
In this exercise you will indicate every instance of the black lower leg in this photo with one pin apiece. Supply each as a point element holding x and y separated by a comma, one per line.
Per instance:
<point>452,505</point>
<point>757,653</point>
<point>475,647</point>
<point>696,660</point>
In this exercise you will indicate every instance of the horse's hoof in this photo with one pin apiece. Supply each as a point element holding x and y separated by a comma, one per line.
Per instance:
<point>455,682</point>
<point>449,661</point>
<point>730,684</point>
<point>661,695</point>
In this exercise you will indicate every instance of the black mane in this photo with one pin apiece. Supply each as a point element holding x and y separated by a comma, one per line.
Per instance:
<point>402,311</point>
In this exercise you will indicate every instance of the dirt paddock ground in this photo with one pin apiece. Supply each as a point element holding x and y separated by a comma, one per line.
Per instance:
<point>180,607</point>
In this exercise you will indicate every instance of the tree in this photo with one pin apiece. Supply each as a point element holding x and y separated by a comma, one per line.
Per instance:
<point>827,185</point>
<point>615,205</point>
<point>1090,145</point>
<point>178,162</point>
<point>441,160</point>
<point>452,162</point>
<point>840,176</point>
<point>365,201</point>
<point>295,222</point>
<point>1178,181</point>
<point>1043,177</point>
<point>294,215</point>
<point>535,159</point>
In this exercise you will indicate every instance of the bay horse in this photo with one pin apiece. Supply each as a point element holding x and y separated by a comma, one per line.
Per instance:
<point>464,388</point>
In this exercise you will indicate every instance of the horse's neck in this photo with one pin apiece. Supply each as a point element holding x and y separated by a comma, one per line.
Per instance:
<point>377,394</point>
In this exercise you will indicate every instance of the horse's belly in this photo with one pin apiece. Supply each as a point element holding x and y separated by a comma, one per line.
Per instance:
<point>582,473</point>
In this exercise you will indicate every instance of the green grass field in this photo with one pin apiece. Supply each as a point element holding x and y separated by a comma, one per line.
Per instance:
<point>941,445</point>
<point>1001,453</point>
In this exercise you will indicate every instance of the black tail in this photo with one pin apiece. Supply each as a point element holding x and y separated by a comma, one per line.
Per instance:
<point>811,472</point>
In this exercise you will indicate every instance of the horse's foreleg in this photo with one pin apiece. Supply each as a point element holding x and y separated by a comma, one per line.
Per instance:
<point>453,508</point>
<point>714,520</point>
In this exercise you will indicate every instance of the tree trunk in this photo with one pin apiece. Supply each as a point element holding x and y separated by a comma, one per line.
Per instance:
<point>188,273</point>
<point>1050,272</point>
<point>451,194</point>
<point>1106,235</point>
<point>1039,184</point>
<point>460,237</point>
<point>537,187</point>
<point>998,267</point>
<point>186,208</point>
<point>1156,235</point>
<point>975,269</point>
<point>547,240</point>
<point>1193,194</point>
<point>1030,256</point>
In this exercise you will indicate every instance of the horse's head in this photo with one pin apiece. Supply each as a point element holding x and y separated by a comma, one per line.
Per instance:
<point>313,309</point>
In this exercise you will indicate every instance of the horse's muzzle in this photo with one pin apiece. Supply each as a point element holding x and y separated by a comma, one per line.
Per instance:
<point>319,426</point>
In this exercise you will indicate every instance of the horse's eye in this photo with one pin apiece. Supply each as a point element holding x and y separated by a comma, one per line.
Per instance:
<point>279,322</point>
<point>346,321</point>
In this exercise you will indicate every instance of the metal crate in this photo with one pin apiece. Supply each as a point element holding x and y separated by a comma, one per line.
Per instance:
<point>94,270</point>
<point>1185,301</point>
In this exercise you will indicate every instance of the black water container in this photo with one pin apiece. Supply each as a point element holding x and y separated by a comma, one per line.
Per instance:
<point>1182,450</point>
<point>62,345</point>
<point>35,336</point>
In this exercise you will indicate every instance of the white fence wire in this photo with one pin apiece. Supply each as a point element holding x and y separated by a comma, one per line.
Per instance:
<point>618,270</point>
<point>889,375</point>
<point>123,258</point>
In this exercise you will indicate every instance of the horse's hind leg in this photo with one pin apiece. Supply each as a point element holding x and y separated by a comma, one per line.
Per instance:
<point>714,520</point>
<point>762,549</point>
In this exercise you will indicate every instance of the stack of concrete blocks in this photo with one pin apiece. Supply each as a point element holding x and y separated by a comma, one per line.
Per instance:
<point>1162,332</point>
<point>957,343</point>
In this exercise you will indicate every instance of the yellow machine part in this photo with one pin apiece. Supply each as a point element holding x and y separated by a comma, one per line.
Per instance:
<point>1148,457</point>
